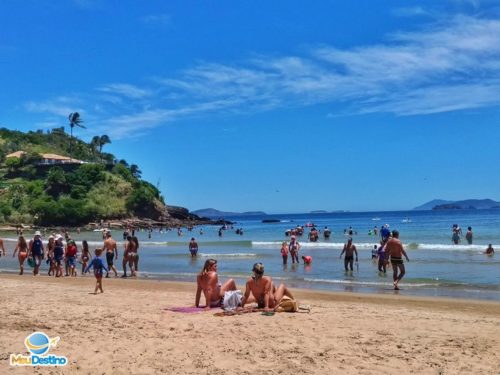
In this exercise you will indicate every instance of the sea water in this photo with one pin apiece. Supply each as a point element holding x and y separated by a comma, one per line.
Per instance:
<point>437,267</point>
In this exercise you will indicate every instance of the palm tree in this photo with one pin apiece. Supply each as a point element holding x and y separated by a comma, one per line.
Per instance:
<point>74,120</point>
<point>94,143</point>
<point>103,140</point>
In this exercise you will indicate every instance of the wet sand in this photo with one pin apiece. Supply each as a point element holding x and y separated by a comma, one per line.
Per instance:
<point>127,330</point>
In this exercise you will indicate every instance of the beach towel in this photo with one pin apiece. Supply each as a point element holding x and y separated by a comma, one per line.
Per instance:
<point>232,299</point>
<point>186,309</point>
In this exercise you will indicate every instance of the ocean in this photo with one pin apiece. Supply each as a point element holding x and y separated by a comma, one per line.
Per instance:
<point>437,267</point>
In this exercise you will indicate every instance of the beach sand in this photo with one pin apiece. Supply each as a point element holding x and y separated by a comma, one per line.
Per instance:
<point>126,330</point>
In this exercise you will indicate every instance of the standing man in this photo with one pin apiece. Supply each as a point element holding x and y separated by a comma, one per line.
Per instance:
<point>294,248</point>
<point>469,235</point>
<point>394,250</point>
<point>36,251</point>
<point>349,250</point>
<point>193,247</point>
<point>111,252</point>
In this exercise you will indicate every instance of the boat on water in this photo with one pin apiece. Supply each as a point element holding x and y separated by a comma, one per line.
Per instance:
<point>406,220</point>
<point>375,218</point>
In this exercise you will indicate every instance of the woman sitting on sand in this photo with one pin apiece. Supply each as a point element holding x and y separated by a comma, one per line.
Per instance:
<point>22,249</point>
<point>208,283</point>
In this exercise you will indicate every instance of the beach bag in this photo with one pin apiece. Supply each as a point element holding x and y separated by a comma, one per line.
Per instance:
<point>287,304</point>
<point>31,262</point>
<point>232,299</point>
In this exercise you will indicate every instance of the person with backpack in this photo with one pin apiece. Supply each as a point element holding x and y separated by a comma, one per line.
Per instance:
<point>36,251</point>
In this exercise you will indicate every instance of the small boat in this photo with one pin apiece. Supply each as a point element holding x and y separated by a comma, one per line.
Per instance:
<point>407,220</point>
<point>375,218</point>
<point>271,220</point>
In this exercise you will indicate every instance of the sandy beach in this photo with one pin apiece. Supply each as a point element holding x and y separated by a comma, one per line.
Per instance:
<point>127,330</point>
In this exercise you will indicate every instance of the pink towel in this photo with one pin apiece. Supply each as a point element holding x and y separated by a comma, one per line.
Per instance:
<point>186,309</point>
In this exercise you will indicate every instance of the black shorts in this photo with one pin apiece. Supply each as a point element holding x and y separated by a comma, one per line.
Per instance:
<point>395,260</point>
<point>109,259</point>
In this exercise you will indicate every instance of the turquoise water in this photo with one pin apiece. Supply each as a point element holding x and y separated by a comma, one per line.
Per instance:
<point>436,267</point>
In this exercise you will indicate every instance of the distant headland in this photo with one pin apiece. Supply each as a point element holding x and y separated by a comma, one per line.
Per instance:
<point>467,204</point>
<point>213,213</point>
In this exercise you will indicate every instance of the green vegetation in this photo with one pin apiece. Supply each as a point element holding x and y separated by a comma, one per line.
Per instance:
<point>69,194</point>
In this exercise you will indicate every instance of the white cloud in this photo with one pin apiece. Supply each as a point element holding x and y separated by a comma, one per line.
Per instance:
<point>157,19</point>
<point>125,89</point>
<point>446,66</point>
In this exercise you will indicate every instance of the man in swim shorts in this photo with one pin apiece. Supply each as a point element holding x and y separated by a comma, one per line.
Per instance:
<point>261,289</point>
<point>395,251</point>
<point>490,250</point>
<point>349,250</point>
<point>111,252</point>
<point>193,247</point>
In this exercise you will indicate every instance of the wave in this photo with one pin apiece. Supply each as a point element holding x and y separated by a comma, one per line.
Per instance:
<point>369,246</point>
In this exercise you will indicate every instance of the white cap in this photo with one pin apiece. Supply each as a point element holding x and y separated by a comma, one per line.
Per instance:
<point>37,233</point>
<point>58,237</point>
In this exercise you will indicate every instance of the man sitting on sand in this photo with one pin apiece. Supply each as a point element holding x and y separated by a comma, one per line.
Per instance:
<point>263,291</point>
<point>208,283</point>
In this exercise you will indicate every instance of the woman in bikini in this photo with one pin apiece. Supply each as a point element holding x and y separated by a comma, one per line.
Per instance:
<point>85,255</point>
<point>50,256</point>
<point>208,283</point>
<point>22,249</point>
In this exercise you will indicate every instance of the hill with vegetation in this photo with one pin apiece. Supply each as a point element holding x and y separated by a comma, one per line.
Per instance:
<point>92,186</point>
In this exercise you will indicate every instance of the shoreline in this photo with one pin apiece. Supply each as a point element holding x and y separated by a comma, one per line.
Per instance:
<point>127,330</point>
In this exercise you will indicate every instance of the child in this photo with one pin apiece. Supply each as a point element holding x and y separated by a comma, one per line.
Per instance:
<point>71,253</point>
<point>375,253</point>
<point>284,252</point>
<point>98,266</point>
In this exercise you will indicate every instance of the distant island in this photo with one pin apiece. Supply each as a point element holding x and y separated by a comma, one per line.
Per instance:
<point>467,204</point>
<point>213,213</point>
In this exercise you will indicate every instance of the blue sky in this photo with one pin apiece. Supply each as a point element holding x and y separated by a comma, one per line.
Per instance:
<point>279,106</point>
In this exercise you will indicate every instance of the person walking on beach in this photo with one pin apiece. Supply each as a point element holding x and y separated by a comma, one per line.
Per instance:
<point>284,252</point>
<point>128,248</point>
<point>294,248</point>
<point>469,235</point>
<point>261,289</point>
<point>22,253</point>
<point>36,251</point>
<point>395,251</point>
<point>85,255</point>
<point>51,243</point>
<point>98,265</point>
<point>208,282</point>
<point>349,250</point>
<point>70,255</point>
<point>193,247</point>
<point>58,255</point>
<point>111,253</point>
<point>136,257</point>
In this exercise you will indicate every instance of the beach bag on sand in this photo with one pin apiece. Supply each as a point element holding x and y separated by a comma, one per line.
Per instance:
<point>287,304</point>
<point>232,299</point>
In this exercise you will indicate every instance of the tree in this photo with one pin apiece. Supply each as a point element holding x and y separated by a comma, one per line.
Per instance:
<point>94,143</point>
<point>103,140</point>
<point>136,172</point>
<point>74,120</point>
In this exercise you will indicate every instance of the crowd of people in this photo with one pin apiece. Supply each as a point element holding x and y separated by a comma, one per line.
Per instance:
<point>63,256</point>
